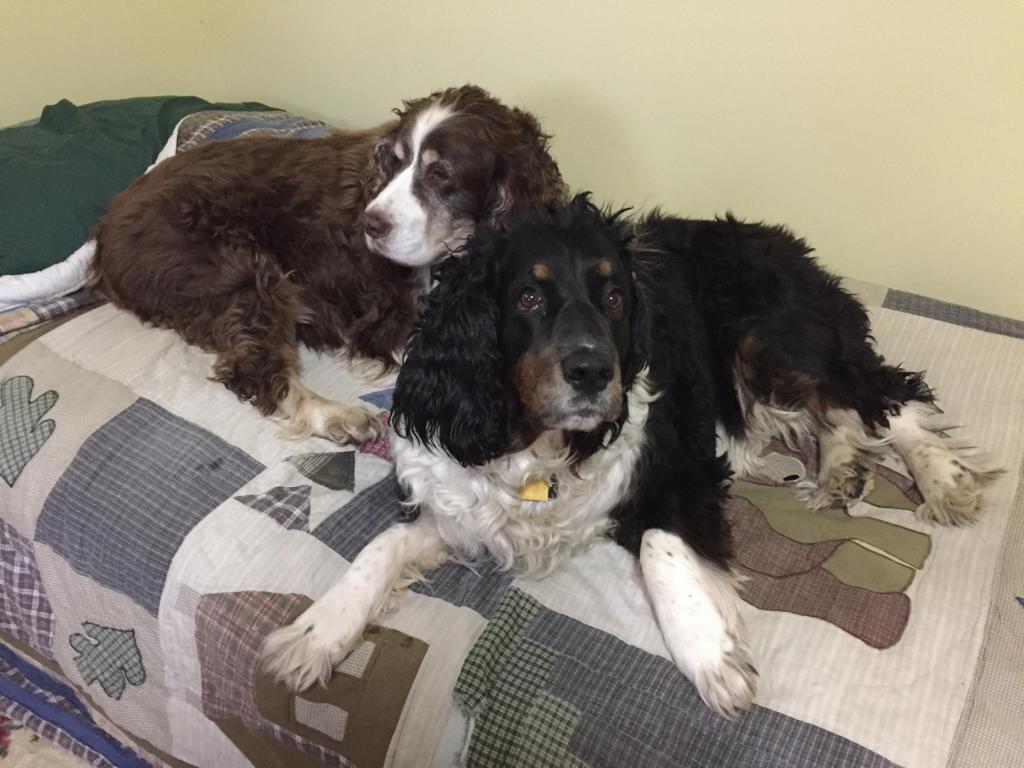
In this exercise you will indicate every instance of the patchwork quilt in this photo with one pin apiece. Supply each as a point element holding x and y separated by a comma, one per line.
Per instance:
<point>153,531</point>
<point>15,321</point>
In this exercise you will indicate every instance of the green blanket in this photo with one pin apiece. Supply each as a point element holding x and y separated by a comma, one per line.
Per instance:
<point>58,174</point>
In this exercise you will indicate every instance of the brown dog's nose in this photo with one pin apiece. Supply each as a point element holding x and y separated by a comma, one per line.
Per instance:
<point>377,225</point>
<point>588,371</point>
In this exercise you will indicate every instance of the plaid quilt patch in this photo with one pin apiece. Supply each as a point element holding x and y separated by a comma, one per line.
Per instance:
<point>135,489</point>
<point>325,718</point>
<point>216,125</point>
<point>480,667</point>
<point>109,656</point>
<point>502,685</point>
<point>230,628</point>
<point>547,728</point>
<point>23,430</point>
<point>545,690</point>
<point>287,506</point>
<point>13,674</point>
<point>379,446</point>
<point>47,730</point>
<point>335,470</point>
<point>14,321</point>
<point>25,612</point>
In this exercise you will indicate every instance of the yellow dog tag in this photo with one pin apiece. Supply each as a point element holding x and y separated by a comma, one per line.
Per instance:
<point>536,490</point>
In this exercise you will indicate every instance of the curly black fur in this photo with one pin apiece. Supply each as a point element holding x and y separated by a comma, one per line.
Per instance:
<point>452,390</point>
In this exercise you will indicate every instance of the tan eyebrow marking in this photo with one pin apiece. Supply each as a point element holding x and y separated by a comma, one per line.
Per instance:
<point>429,156</point>
<point>543,272</point>
<point>604,267</point>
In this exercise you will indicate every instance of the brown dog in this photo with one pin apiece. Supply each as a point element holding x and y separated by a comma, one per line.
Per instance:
<point>247,247</point>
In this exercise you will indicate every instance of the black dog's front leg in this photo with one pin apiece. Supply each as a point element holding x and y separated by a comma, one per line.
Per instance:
<point>677,528</point>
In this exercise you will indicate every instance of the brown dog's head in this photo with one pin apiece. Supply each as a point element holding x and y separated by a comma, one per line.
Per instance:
<point>454,159</point>
<point>541,327</point>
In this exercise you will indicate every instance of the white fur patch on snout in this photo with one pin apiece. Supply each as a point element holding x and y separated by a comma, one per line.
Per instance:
<point>568,408</point>
<point>417,236</point>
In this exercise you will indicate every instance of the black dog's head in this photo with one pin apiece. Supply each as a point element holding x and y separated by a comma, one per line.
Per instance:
<point>538,328</point>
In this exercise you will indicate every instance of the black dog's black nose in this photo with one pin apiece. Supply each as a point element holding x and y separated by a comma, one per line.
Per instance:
<point>376,225</point>
<point>588,370</point>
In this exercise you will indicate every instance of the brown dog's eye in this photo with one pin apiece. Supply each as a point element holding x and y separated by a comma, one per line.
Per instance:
<point>438,173</point>
<point>614,300</point>
<point>529,300</point>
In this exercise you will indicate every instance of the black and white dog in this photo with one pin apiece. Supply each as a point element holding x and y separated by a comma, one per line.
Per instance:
<point>581,374</point>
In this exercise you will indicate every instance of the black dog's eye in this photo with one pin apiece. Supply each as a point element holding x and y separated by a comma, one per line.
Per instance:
<point>613,300</point>
<point>529,300</point>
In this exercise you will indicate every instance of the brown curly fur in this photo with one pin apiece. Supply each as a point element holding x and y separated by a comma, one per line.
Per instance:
<point>248,246</point>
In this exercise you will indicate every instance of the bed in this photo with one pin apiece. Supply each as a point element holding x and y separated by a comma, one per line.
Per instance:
<point>153,530</point>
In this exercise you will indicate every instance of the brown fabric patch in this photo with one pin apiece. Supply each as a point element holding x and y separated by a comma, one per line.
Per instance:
<point>263,749</point>
<point>790,517</point>
<point>760,548</point>
<point>763,550</point>
<point>876,618</point>
<point>372,703</point>
<point>230,628</point>
<point>812,563</point>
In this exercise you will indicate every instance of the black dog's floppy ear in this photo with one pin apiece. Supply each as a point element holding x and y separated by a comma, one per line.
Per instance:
<point>640,326</point>
<point>450,392</point>
<point>631,249</point>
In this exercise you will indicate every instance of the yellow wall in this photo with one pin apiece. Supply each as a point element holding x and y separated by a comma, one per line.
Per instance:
<point>89,50</point>
<point>887,133</point>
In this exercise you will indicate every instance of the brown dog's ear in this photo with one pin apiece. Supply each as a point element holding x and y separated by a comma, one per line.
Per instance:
<point>527,174</point>
<point>383,165</point>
